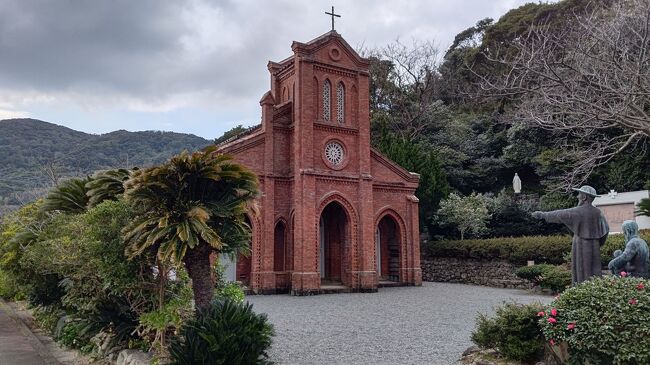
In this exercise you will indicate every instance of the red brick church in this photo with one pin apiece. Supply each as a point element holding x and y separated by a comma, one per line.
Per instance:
<point>334,211</point>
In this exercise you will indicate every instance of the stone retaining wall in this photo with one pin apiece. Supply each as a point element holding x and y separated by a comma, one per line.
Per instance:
<point>500,274</point>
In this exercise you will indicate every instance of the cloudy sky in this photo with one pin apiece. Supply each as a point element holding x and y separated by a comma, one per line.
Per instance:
<point>195,66</point>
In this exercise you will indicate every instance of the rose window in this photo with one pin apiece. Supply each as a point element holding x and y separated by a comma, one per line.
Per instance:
<point>334,153</point>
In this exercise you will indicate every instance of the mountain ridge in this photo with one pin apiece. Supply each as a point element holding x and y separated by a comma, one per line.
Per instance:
<point>35,153</point>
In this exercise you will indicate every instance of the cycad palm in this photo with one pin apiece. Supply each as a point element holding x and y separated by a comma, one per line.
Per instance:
<point>69,196</point>
<point>644,207</point>
<point>189,207</point>
<point>106,185</point>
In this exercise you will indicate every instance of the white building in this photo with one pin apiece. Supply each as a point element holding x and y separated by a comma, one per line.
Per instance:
<point>619,207</point>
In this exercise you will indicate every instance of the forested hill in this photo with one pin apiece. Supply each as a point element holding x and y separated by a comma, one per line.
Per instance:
<point>34,152</point>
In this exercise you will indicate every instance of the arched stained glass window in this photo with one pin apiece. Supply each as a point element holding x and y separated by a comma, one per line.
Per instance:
<point>327,91</point>
<point>340,103</point>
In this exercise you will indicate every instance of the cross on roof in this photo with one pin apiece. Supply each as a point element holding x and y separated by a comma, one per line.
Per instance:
<point>333,15</point>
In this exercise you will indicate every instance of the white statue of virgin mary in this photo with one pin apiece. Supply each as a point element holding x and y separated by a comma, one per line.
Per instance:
<point>516,184</point>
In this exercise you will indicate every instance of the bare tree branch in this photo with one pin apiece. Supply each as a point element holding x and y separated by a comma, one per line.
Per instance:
<point>589,80</point>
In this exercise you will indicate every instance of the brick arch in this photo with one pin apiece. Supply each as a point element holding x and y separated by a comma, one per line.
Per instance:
<point>352,228</point>
<point>388,211</point>
<point>338,197</point>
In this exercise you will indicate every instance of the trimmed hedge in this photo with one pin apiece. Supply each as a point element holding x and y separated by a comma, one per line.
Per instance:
<point>548,249</point>
<point>518,250</point>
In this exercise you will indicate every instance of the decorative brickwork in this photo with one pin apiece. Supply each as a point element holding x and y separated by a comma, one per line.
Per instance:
<point>330,205</point>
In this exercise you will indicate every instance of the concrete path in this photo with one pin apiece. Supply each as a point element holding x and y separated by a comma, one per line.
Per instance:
<point>18,346</point>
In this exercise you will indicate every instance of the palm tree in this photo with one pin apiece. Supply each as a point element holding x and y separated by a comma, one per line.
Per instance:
<point>106,185</point>
<point>188,208</point>
<point>69,196</point>
<point>644,207</point>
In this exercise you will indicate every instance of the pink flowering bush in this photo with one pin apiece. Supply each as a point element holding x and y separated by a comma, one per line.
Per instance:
<point>603,321</point>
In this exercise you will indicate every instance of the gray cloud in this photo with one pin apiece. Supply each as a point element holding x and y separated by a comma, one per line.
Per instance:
<point>167,54</point>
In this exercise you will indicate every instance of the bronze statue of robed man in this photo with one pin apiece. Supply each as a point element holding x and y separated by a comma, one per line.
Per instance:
<point>589,229</point>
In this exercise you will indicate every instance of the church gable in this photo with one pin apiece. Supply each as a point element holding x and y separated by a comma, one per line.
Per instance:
<point>386,171</point>
<point>332,49</point>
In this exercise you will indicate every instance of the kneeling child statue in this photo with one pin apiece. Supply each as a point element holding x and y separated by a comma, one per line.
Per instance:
<point>635,257</point>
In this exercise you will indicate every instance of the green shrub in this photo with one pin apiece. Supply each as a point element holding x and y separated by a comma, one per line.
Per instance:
<point>157,324</point>
<point>518,250</point>
<point>553,277</point>
<point>47,317</point>
<point>603,320</point>
<point>225,333</point>
<point>70,335</point>
<point>514,331</point>
<point>556,278</point>
<point>9,288</point>
<point>232,291</point>
<point>225,289</point>
<point>533,273</point>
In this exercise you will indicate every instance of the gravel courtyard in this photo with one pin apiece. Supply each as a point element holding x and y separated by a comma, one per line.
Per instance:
<point>411,325</point>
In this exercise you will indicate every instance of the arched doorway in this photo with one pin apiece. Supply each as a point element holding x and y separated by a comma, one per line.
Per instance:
<point>388,249</point>
<point>333,235</point>
<point>244,262</point>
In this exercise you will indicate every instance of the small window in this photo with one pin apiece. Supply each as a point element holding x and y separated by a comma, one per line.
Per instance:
<point>340,103</point>
<point>327,90</point>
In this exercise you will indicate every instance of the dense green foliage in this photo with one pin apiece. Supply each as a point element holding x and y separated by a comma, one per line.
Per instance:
<point>415,157</point>
<point>513,331</point>
<point>553,277</point>
<point>210,339</point>
<point>72,267</point>
<point>604,321</point>
<point>67,252</point>
<point>34,153</point>
<point>511,216</point>
<point>518,250</point>
<point>480,140</point>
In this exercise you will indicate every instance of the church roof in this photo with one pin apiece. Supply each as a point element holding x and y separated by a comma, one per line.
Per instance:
<point>247,132</point>
<point>323,40</point>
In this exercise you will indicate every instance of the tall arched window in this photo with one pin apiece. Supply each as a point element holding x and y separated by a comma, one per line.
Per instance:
<point>340,103</point>
<point>327,91</point>
<point>279,249</point>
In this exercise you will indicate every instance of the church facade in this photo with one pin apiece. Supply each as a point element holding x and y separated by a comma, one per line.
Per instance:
<point>333,211</point>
